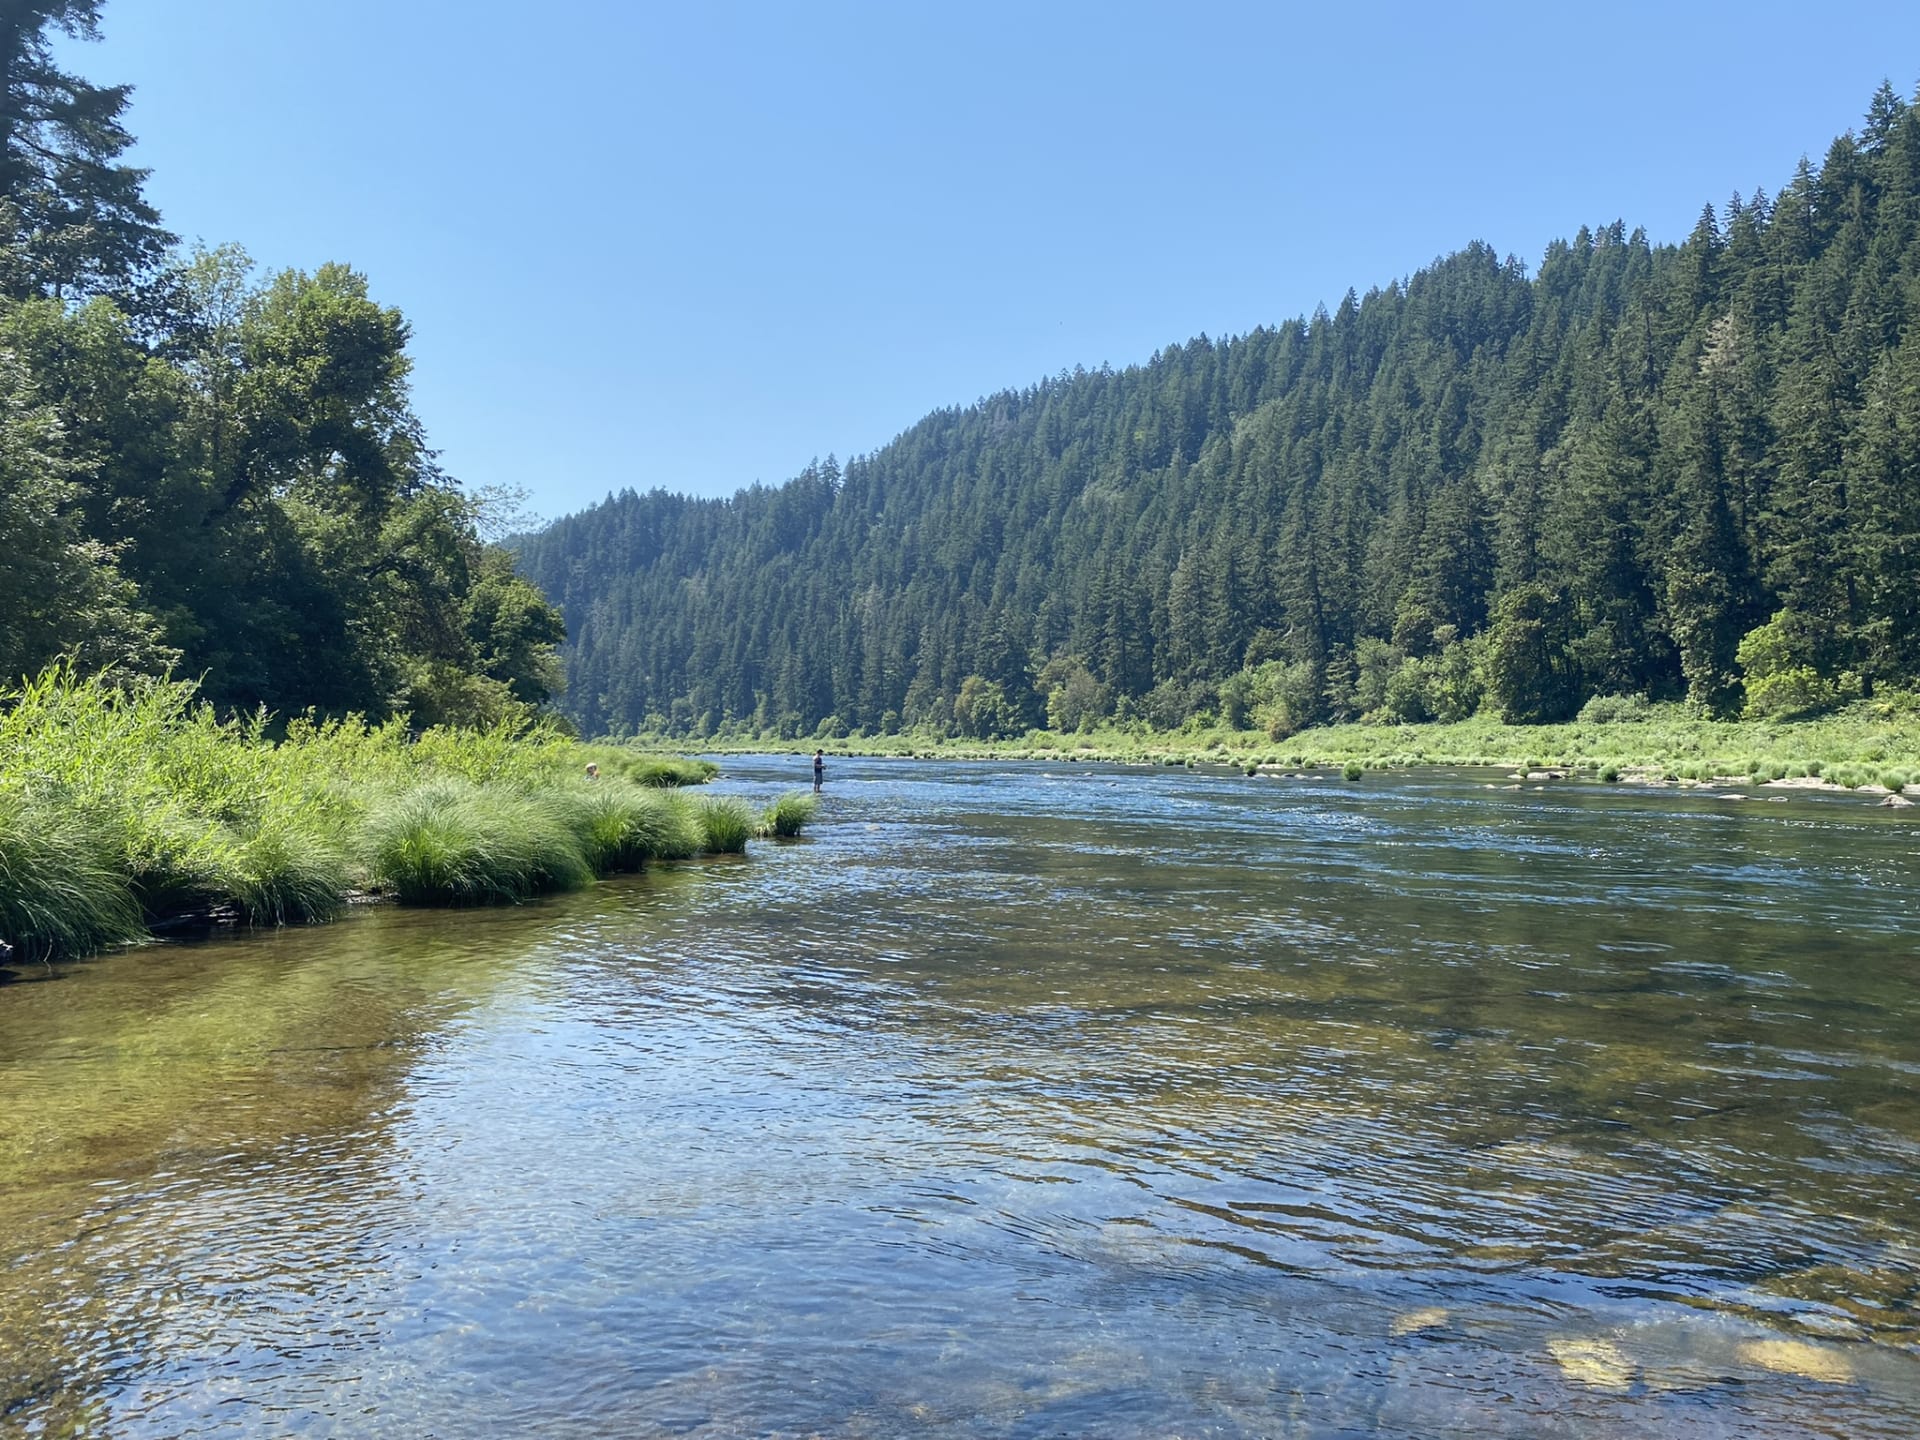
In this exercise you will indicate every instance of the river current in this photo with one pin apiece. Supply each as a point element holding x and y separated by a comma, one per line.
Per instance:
<point>1016,1100</point>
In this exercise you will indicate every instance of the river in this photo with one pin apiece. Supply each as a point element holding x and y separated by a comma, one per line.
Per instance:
<point>1016,1100</point>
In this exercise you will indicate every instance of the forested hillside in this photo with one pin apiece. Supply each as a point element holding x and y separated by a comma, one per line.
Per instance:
<point>213,474</point>
<point>1673,470</point>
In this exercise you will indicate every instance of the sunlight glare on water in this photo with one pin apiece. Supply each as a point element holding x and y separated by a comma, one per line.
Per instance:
<point>1017,1100</point>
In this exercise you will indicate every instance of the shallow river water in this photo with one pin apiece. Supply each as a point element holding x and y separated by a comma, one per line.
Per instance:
<point>1017,1100</point>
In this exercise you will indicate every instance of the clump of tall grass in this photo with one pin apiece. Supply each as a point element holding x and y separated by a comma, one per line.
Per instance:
<point>283,872</point>
<point>452,843</point>
<point>621,826</point>
<point>659,772</point>
<point>61,892</point>
<point>787,816</point>
<point>1353,770</point>
<point>683,834</point>
<point>604,822</point>
<point>425,848</point>
<point>726,824</point>
<point>136,799</point>
<point>673,771</point>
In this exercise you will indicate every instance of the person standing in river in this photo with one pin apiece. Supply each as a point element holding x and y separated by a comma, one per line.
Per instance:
<point>819,768</point>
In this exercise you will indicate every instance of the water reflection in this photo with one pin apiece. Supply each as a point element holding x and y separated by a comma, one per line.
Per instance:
<point>1020,1100</point>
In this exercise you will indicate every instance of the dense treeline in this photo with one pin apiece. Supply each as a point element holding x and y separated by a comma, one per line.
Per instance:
<point>1673,470</point>
<point>210,474</point>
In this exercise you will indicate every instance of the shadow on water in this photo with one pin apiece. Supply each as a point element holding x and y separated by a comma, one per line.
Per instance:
<point>1017,1100</point>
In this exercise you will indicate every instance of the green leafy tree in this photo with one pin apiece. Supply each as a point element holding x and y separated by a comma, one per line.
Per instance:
<point>1777,661</point>
<point>1074,698</point>
<point>981,710</point>
<point>1707,587</point>
<point>1456,686</point>
<point>514,631</point>
<point>60,592</point>
<point>1531,675</point>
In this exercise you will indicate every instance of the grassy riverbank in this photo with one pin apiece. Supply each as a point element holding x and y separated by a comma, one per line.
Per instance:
<point>123,809</point>
<point>1869,745</point>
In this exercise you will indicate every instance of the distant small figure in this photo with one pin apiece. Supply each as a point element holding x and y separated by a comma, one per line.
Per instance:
<point>593,771</point>
<point>819,768</point>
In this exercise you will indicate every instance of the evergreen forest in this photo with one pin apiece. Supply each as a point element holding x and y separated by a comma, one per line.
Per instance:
<point>213,473</point>
<point>1685,472</point>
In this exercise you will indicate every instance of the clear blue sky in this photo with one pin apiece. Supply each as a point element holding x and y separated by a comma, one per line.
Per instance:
<point>696,245</point>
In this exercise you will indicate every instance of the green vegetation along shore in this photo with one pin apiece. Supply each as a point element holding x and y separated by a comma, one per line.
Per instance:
<point>125,807</point>
<point>1871,746</point>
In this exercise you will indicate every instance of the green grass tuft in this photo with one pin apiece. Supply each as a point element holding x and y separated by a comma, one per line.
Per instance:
<point>61,892</point>
<point>447,843</point>
<point>658,772</point>
<point>284,872</point>
<point>427,849</point>
<point>621,826</point>
<point>141,797</point>
<point>787,816</point>
<point>726,824</point>
<point>682,833</point>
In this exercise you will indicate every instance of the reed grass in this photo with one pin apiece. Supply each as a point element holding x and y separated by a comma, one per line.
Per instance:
<point>284,872</point>
<point>787,816</point>
<point>658,772</point>
<point>455,843</point>
<point>60,891</point>
<point>684,833</point>
<point>621,826</point>
<point>426,849</point>
<point>615,825</point>
<point>726,823</point>
<point>121,806</point>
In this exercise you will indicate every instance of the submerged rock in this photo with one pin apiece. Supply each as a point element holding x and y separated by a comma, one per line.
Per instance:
<point>1897,801</point>
<point>1798,1357</point>
<point>1596,1364</point>
<point>1412,1322</point>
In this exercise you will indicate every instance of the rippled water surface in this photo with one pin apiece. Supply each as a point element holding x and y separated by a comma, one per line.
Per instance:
<point>1016,1101</point>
